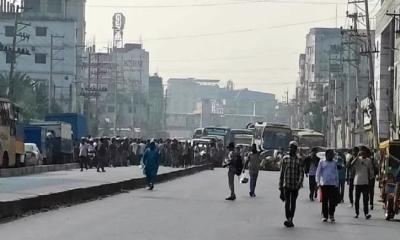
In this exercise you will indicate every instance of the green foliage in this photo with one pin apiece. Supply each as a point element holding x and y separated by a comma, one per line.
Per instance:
<point>29,94</point>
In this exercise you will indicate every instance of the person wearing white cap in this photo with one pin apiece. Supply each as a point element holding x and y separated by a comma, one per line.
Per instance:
<point>291,180</point>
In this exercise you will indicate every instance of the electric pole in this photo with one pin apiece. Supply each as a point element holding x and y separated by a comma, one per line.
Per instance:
<point>13,52</point>
<point>51,87</point>
<point>371,77</point>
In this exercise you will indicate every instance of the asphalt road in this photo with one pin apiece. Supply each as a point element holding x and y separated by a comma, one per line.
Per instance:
<point>194,208</point>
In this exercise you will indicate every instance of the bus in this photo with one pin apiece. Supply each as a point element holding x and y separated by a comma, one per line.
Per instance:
<point>222,133</point>
<point>272,136</point>
<point>242,136</point>
<point>198,133</point>
<point>308,138</point>
<point>11,144</point>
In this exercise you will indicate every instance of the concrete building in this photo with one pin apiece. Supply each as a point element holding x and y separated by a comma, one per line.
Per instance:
<point>183,94</point>
<point>333,80</point>
<point>387,86</point>
<point>60,22</point>
<point>119,82</point>
<point>318,43</point>
<point>214,105</point>
<point>156,121</point>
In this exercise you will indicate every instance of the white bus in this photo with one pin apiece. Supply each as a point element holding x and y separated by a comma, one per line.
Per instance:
<point>272,136</point>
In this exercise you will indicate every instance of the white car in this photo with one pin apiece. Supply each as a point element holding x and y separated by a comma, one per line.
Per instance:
<point>33,157</point>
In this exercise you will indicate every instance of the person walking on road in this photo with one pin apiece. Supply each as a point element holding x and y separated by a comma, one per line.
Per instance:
<point>290,181</point>
<point>235,166</point>
<point>328,180</point>
<point>83,154</point>
<point>311,164</point>
<point>341,165</point>
<point>364,172</point>
<point>253,162</point>
<point>350,173</point>
<point>101,155</point>
<point>151,162</point>
<point>371,185</point>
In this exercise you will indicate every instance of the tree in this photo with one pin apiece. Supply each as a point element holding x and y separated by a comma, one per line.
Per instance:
<point>29,94</point>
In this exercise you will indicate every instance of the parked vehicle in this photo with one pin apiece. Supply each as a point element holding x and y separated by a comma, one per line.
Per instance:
<point>11,145</point>
<point>77,122</point>
<point>33,157</point>
<point>389,177</point>
<point>36,135</point>
<point>58,141</point>
<point>222,133</point>
<point>198,133</point>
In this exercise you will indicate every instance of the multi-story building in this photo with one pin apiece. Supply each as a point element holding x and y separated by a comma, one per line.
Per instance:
<point>56,30</point>
<point>333,80</point>
<point>119,82</point>
<point>387,84</point>
<point>156,119</point>
<point>318,44</point>
<point>214,105</point>
<point>183,94</point>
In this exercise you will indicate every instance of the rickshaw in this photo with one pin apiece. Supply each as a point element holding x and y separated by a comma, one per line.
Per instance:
<point>389,177</point>
<point>201,150</point>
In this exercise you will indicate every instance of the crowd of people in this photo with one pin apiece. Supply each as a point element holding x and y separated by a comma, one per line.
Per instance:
<point>327,173</point>
<point>119,152</point>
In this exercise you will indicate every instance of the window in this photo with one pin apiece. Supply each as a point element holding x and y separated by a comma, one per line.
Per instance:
<point>41,31</point>
<point>40,58</point>
<point>8,57</point>
<point>32,6</point>
<point>110,109</point>
<point>9,31</point>
<point>312,68</point>
<point>54,6</point>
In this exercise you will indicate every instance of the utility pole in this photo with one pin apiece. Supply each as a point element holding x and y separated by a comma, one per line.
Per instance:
<point>371,77</point>
<point>13,52</point>
<point>51,87</point>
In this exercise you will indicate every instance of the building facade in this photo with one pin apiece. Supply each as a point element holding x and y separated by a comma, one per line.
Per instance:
<point>387,86</point>
<point>56,32</point>
<point>214,105</point>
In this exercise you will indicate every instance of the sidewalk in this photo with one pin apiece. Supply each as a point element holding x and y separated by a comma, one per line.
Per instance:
<point>45,190</point>
<point>23,171</point>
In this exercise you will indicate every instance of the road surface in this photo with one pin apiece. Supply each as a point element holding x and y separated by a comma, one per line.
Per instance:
<point>194,208</point>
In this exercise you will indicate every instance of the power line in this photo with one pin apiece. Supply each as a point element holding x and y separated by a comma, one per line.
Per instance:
<point>246,30</point>
<point>232,3</point>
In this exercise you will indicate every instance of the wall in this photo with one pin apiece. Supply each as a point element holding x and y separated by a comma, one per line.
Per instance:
<point>63,48</point>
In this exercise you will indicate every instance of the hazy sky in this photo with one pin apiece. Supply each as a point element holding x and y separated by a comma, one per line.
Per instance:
<point>255,44</point>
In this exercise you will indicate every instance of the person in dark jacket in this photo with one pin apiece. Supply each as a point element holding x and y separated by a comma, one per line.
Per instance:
<point>253,161</point>
<point>151,162</point>
<point>350,173</point>
<point>101,155</point>
<point>310,168</point>
<point>233,162</point>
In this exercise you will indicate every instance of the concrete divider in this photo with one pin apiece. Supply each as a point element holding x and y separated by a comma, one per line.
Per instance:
<point>15,208</point>
<point>22,171</point>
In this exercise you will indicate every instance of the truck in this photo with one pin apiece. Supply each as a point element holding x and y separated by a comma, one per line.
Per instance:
<point>36,135</point>
<point>77,122</point>
<point>55,136</point>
